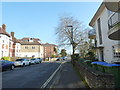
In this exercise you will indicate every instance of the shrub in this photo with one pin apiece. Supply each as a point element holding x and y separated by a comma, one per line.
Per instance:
<point>6,58</point>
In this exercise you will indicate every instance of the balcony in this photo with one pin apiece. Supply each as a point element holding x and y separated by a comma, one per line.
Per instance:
<point>114,26</point>
<point>112,5</point>
<point>92,34</point>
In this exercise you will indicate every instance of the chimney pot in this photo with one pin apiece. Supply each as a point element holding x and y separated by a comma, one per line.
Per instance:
<point>4,27</point>
<point>12,34</point>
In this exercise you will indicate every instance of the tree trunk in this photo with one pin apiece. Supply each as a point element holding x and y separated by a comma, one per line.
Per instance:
<point>73,50</point>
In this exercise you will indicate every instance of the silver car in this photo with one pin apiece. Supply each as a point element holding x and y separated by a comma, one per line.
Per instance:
<point>34,61</point>
<point>22,62</point>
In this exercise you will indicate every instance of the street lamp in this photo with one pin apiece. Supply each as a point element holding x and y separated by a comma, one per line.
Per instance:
<point>70,26</point>
<point>72,43</point>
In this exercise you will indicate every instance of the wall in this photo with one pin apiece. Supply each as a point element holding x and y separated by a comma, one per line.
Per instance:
<point>29,48</point>
<point>107,43</point>
<point>37,52</point>
<point>17,49</point>
<point>29,54</point>
<point>95,79</point>
<point>4,45</point>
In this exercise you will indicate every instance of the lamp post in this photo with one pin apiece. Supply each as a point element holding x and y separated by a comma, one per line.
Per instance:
<point>72,43</point>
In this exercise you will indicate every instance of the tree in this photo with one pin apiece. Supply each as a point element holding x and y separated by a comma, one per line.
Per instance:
<point>63,52</point>
<point>70,31</point>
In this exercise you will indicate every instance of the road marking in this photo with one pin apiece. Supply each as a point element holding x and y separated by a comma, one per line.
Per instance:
<point>51,77</point>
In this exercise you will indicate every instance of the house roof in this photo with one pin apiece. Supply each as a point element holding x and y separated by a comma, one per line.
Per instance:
<point>25,41</point>
<point>2,31</point>
<point>48,44</point>
<point>100,9</point>
<point>27,38</point>
<point>30,43</point>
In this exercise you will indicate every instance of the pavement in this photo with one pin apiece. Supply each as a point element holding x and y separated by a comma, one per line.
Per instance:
<point>67,77</point>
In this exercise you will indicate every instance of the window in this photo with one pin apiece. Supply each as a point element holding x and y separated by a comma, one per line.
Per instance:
<point>26,47</point>
<point>99,31</point>
<point>33,47</point>
<point>116,52</point>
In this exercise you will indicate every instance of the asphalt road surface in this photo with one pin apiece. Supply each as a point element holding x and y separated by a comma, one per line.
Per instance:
<point>32,76</point>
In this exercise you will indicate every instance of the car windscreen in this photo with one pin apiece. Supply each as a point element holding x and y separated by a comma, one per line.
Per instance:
<point>19,60</point>
<point>32,59</point>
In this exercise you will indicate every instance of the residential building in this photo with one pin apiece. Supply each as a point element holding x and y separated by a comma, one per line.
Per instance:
<point>114,19</point>
<point>49,50</point>
<point>4,42</point>
<point>15,46</point>
<point>31,47</point>
<point>9,45</point>
<point>107,50</point>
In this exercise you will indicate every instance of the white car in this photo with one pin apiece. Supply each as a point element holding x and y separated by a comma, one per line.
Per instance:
<point>34,61</point>
<point>22,62</point>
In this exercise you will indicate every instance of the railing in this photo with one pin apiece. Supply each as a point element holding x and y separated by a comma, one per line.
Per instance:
<point>114,20</point>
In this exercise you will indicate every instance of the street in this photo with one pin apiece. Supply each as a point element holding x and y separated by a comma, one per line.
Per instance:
<point>33,76</point>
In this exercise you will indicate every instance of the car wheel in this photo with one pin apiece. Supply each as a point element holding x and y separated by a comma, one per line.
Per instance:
<point>23,64</point>
<point>12,67</point>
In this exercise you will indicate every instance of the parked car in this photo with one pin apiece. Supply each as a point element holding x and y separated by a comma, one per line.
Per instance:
<point>40,60</point>
<point>5,65</point>
<point>59,59</point>
<point>34,61</point>
<point>64,58</point>
<point>22,62</point>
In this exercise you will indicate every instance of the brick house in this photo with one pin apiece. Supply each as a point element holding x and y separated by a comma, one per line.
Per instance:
<point>16,46</point>
<point>49,50</point>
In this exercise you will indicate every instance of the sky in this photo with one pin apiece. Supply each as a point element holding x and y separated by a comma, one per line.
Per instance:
<point>39,19</point>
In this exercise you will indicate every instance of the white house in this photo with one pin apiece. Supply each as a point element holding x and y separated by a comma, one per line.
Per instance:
<point>9,45</point>
<point>4,42</point>
<point>107,50</point>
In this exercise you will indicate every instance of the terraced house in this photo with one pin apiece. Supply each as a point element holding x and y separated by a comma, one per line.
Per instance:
<point>106,33</point>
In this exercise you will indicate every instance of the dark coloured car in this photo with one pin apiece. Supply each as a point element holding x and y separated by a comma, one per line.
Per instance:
<point>5,65</point>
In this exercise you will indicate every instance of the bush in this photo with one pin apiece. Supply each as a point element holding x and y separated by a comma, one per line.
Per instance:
<point>90,56</point>
<point>6,58</point>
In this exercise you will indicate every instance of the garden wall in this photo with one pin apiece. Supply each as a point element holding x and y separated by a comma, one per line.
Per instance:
<point>95,79</point>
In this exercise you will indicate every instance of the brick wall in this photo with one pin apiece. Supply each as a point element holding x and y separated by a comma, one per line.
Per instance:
<point>95,79</point>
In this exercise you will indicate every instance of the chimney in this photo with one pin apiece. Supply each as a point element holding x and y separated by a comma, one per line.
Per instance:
<point>4,27</point>
<point>12,34</point>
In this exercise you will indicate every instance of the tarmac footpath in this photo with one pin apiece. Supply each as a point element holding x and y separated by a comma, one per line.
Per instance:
<point>67,77</point>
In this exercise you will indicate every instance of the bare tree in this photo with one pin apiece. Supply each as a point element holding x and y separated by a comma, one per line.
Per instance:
<point>70,31</point>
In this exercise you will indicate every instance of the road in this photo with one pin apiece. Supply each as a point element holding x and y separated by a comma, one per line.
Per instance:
<point>32,76</point>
